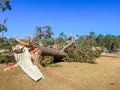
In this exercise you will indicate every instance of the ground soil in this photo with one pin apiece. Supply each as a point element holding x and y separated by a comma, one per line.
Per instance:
<point>105,75</point>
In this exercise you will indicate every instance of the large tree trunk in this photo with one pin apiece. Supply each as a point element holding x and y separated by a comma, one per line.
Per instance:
<point>46,51</point>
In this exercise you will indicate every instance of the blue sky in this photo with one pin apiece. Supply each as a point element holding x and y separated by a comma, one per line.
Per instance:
<point>77,17</point>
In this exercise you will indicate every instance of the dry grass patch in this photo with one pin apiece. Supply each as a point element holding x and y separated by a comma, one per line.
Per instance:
<point>70,76</point>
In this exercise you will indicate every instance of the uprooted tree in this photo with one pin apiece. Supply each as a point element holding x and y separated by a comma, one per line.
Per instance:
<point>70,51</point>
<point>77,50</point>
<point>51,50</point>
<point>36,50</point>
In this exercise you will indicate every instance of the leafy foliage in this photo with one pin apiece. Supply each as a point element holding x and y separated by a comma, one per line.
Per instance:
<point>6,59</point>
<point>3,27</point>
<point>82,52</point>
<point>4,44</point>
<point>44,35</point>
<point>4,5</point>
<point>112,42</point>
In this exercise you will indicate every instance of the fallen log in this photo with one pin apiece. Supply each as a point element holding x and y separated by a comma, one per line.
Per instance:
<point>37,50</point>
<point>46,51</point>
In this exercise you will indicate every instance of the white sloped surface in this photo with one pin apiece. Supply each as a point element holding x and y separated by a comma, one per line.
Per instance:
<point>24,60</point>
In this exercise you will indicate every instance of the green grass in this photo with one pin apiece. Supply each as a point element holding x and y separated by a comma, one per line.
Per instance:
<point>69,76</point>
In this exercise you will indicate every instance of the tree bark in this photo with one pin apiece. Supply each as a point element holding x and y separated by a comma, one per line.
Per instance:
<point>46,51</point>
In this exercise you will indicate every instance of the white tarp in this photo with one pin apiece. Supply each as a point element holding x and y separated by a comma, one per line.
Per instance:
<point>24,61</point>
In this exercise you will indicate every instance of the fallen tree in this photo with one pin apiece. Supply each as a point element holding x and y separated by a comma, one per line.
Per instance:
<point>36,50</point>
<point>72,52</point>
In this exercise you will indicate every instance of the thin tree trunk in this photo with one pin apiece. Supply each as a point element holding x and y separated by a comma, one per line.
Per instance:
<point>2,34</point>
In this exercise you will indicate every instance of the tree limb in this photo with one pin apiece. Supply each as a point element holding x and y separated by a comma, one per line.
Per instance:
<point>69,44</point>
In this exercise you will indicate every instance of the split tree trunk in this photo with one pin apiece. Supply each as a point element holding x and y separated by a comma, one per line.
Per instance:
<point>45,51</point>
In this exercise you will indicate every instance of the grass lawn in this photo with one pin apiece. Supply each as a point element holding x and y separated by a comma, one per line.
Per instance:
<point>105,75</point>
